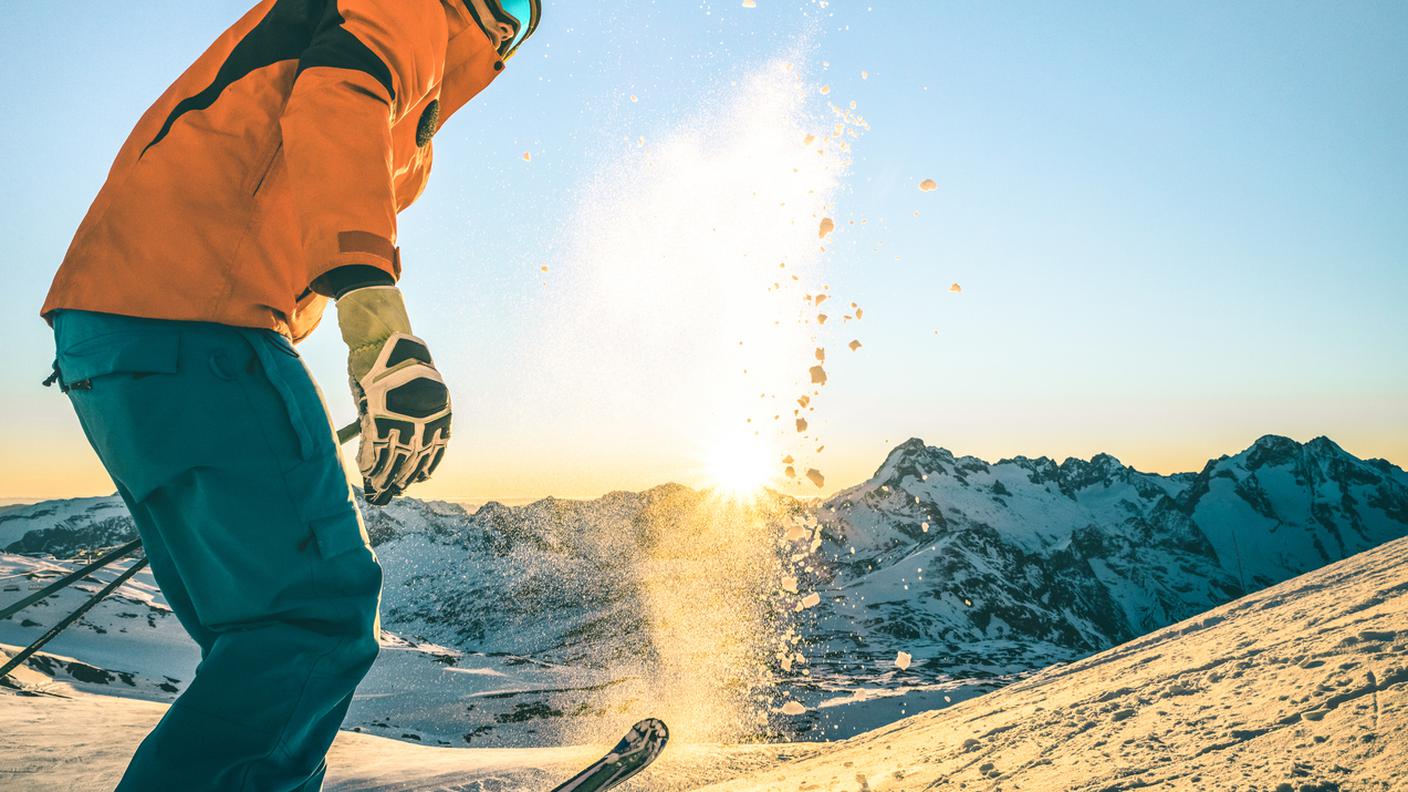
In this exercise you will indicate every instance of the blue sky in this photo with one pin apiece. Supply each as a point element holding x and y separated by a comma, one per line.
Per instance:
<point>1176,226</point>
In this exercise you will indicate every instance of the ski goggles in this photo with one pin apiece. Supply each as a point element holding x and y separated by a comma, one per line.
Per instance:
<point>509,22</point>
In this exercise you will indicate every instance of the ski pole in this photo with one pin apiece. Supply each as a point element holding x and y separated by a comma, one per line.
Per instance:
<point>70,619</point>
<point>97,563</point>
<point>348,432</point>
<point>344,434</point>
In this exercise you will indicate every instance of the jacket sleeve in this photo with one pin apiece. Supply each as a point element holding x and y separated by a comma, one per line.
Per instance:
<point>367,61</point>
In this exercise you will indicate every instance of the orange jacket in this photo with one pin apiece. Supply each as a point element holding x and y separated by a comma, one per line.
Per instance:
<point>284,151</point>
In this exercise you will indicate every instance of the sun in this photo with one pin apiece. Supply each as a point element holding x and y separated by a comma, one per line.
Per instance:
<point>739,466</point>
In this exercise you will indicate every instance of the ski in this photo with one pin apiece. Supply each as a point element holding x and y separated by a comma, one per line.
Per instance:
<point>636,750</point>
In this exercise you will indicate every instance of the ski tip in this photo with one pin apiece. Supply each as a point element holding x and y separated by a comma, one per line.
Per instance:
<point>653,729</point>
<point>645,740</point>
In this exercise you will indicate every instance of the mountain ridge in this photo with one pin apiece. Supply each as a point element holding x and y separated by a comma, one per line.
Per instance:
<point>980,572</point>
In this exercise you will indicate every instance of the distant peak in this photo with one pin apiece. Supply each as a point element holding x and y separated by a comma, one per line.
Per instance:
<point>1274,441</point>
<point>1101,461</point>
<point>1271,450</point>
<point>911,445</point>
<point>1324,445</point>
<point>912,457</point>
<point>1104,460</point>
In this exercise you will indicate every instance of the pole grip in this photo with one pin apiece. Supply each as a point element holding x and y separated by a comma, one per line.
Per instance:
<point>348,432</point>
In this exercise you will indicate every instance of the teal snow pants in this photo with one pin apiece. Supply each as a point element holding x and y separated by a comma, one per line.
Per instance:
<point>221,445</point>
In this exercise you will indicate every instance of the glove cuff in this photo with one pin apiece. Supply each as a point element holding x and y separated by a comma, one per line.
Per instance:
<point>368,317</point>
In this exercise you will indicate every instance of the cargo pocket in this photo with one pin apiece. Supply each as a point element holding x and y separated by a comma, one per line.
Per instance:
<point>124,388</point>
<point>346,564</point>
<point>131,354</point>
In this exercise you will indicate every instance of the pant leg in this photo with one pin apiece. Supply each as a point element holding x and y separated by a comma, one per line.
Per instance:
<point>227,455</point>
<point>163,566</point>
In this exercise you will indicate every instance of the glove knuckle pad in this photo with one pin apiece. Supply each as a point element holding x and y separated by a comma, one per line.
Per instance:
<point>408,348</point>
<point>420,398</point>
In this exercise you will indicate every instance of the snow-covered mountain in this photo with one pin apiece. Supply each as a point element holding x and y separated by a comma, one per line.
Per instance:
<point>978,571</point>
<point>1084,554</point>
<point>1298,687</point>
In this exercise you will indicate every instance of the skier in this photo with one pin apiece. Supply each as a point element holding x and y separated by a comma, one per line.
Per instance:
<point>263,183</point>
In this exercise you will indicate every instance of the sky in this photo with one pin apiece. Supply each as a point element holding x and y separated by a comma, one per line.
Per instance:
<point>1175,227</point>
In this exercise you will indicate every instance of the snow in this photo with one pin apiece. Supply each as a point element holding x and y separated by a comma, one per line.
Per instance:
<point>131,645</point>
<point>658,601</point>
<point>1302,684</point>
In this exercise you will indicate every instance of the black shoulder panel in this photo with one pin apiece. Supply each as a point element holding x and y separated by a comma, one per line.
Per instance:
<point>309,31</point>
<point>283,34</point>
<point>336,47</point>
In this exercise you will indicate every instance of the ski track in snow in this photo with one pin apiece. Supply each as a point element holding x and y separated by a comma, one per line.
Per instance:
<point>1297,687</point>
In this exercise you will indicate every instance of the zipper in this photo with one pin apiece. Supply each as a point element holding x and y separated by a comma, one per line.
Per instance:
<point>267,168</point>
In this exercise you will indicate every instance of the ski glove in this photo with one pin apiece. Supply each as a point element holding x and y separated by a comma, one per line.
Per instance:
<point>403,406</point>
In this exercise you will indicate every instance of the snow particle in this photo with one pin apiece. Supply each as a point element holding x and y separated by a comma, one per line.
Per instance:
<point>854,345</point>
<point>928,185</point>
<point>827,226</point>
<point>955,288</point>
<point>816,477</point>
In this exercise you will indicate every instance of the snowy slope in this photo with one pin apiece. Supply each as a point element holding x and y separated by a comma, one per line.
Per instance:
<point>1301,687</point>
<point>561,613</point>
<point>131,645</point>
